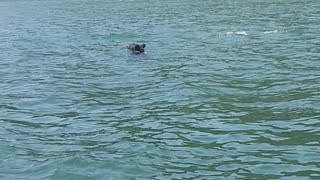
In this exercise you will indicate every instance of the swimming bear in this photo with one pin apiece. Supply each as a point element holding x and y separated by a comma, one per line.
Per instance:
<point>136,48</point>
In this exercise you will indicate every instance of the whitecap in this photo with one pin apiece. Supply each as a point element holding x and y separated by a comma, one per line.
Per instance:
<point>241,33</point>
<point>237,33</point>
<point>270,32</point>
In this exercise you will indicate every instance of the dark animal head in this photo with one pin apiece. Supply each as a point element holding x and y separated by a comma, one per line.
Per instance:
<point>137,48</point>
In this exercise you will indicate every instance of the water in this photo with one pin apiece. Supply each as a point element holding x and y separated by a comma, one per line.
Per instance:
<point>226,89</point>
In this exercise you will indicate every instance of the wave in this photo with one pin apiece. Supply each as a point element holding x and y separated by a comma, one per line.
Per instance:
<point>237,33</point>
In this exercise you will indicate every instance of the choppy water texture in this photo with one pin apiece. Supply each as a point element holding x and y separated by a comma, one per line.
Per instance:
<point>227,89</point>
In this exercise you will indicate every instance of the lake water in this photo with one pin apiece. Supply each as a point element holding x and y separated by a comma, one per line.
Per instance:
<point>227,89</point>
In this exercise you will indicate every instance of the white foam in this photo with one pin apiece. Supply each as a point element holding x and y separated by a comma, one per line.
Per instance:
<point>229,33</point>
<point>270,32</point>
<point>237,33</point>
<point>241,33</point>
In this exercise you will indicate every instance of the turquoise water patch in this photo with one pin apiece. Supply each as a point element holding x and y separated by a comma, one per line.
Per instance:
<point>225,90</point>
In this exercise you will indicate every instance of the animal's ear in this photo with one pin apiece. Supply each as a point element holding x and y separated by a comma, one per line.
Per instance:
<point>143,45</point>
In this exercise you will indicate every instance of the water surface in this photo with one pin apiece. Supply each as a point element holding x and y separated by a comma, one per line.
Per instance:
<point>226,89</point>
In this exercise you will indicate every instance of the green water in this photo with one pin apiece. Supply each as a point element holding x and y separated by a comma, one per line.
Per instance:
<point>226,90</point>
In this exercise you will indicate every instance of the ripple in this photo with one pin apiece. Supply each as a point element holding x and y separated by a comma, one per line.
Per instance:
<point>229,91</point>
